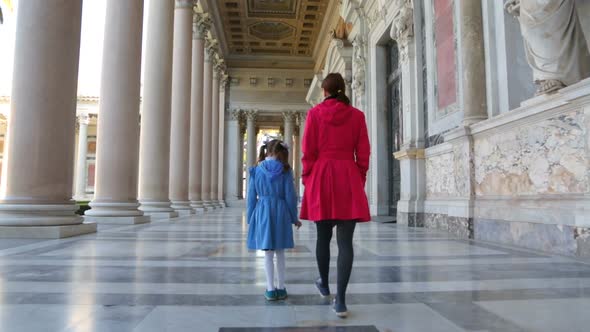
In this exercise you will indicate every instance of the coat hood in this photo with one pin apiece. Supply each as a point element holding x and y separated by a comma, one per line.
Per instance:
<point>272,168</point>
<point>334,112</point>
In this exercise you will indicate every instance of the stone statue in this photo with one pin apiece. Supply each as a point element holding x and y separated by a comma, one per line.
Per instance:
<point>554,43</point>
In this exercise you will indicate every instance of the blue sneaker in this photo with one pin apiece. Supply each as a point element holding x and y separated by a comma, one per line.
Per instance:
<point>324,291</point>
<point>340,309</point>
<point>281,293</point>
<point>271,295</point>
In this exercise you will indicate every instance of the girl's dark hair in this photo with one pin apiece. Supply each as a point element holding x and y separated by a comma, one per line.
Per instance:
<point>275,148</point>
<point>335,86</point>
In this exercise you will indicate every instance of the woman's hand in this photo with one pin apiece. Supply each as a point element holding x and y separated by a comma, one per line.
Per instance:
<point>298,224</point>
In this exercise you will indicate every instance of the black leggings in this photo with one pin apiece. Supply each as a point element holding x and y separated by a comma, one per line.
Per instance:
<point>345,232</point>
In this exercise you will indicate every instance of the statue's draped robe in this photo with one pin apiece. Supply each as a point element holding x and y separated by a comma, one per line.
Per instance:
<point>554,42</point>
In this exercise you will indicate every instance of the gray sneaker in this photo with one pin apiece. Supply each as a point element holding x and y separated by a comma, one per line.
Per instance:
<point>340,309</point>
<point>324,291</point>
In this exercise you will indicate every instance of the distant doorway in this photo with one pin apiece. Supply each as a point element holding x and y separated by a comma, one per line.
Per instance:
<point>394,124</point>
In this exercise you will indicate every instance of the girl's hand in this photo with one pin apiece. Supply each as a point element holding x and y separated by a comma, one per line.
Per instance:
<point>298,224</point>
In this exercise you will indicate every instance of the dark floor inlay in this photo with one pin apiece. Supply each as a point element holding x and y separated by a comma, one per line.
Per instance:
<point>301,329</point>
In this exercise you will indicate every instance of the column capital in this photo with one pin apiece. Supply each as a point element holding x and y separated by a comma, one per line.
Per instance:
<point>83,119</point>
<point>251,115</point>
<point>223,81</point>
<point>402,29</point>
<point>211,49</point>
<point>201,25</point>
<point>184,4</point>
<point>236,114</point>
<point>289,115</point>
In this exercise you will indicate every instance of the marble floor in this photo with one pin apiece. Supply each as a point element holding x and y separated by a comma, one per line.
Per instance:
<point>195,274</point>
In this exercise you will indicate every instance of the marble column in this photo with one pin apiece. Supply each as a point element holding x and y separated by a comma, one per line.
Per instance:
<point>154,157</point>
<point>207,120</point>
<point>289,125</point>
<point>251,141</point>
<point>181,107</point>
<point>243,129</point>
<point>201,24</point>
<point>81,156</point>
<point>473,58</point>
<point>221,158</point>
<point>36,200</point>
<point>296,157</point>
<point>302,118</point>
<point>117,151</point>
<point>233,171</point>
<point>215,136</point>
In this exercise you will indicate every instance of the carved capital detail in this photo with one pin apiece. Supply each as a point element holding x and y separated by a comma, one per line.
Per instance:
<point>402,29</point>
<point>251,115</point>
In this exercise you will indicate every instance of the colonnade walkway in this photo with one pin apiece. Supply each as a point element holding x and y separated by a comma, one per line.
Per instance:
<point>195,274</point>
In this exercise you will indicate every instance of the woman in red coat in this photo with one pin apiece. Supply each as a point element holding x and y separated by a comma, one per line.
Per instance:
<point>335,162</point>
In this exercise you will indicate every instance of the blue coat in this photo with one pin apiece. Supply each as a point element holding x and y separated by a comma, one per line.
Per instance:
<point>272,207</point>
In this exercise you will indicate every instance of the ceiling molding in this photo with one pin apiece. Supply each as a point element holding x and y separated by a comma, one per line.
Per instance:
<point>282,33</point>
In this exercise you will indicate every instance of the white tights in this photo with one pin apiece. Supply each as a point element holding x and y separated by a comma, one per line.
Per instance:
<point>269,268</point>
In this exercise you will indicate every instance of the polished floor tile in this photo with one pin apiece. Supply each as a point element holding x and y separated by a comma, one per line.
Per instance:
<point>196,274</point>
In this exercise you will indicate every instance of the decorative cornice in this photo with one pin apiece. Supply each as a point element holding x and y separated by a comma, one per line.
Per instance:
<point>409,154</point>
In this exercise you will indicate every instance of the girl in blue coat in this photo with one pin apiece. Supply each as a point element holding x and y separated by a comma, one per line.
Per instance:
<point>271,212</point>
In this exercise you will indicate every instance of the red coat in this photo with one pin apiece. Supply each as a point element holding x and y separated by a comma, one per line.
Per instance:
<point>335,162</point>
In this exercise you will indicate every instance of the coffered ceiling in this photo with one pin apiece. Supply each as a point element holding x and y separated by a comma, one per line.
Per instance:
<point>271,29</point>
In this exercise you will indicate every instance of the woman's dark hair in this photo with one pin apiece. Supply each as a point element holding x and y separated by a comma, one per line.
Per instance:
<point>335,86</point>
<point>275,148</point>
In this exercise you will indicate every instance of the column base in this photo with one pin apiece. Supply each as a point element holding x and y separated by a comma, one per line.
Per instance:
<point>131,220</point>
<point>183,208</point>
<point>161,215</point>
<point>113,209</point>
<point>46,232</point>
<point>198,206</point>
<point>209,205</point>
<point>22,215</point>
<point>222,204</point>
<point>185,213</point>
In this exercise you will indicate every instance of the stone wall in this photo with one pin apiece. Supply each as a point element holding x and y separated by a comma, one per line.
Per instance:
<point>521,178</point>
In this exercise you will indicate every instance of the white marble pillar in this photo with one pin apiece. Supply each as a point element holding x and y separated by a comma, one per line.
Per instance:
<point>81,156</point>
<point>206,152</point>
<point>242,135</point>
<point>36,201</point>
<point>201,24</point>
<point>155,120</point>
<point>215,136</point>
<point>181,107</point>
<point>296,154</point>
<point>289,125</point>
<point>302,118</point>
<point>221,157</point>
<point>233,173</point>
<point>117,151</point>
<point>251,149</point>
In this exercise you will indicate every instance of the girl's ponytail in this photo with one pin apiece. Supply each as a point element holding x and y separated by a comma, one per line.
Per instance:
<point>262,153</point>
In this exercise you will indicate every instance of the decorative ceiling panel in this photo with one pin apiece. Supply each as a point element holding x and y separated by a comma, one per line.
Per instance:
<point>272,27</point>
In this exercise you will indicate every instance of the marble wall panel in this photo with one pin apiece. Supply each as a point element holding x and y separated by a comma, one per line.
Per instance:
<point>457,226</point>
<point>559,239</point>
<point>547,157</point>
<point>440,176</point>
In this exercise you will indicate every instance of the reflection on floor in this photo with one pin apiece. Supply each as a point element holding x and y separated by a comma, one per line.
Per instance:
<point>195,274</point>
